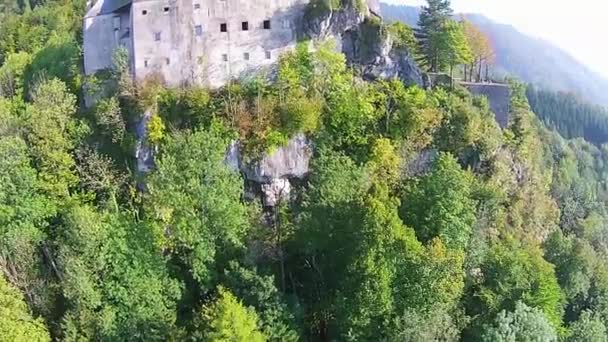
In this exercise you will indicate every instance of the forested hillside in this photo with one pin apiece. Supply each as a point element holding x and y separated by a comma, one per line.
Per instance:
<point>548,67</point>
<point>420,219</point>
<point>569,115</point>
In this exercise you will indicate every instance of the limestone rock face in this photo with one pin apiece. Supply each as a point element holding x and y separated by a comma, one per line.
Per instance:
<point>370,49</point>
<point>332,23</point>
<point>273,171</point>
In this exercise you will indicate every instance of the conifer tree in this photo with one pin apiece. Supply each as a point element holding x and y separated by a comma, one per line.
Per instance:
<point>431,33</point>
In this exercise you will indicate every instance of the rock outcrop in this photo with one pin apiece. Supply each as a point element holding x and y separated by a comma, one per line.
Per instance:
<point>273,171</point>
<point>365,42</point>
<point>144,153</point>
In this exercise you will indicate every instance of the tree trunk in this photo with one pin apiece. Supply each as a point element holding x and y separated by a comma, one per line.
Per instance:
<point>451,76</point>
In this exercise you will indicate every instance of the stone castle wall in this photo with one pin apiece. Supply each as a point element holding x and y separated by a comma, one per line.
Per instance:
<point>184,40</point>
<point>204,42</point>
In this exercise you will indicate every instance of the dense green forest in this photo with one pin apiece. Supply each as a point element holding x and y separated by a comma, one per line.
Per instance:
<point>571,116</point>
<point>420,220</point>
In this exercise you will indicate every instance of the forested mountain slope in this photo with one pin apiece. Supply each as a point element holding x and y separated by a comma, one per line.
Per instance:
<point>419,219</point>
<point>532,60</point>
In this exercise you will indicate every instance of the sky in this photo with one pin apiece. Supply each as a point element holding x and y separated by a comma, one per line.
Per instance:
<point>580,27</point>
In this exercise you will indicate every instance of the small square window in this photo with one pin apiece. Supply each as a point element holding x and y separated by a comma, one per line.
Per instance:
<point>245,25</point>
<point>156,36</point>
<point>246,56</point>
<point>166,9</point>
<point>268,55</point>
<point>266,24</point>
<point>144,12</point>
<point>197,6</point>
<point>198,30</point>
<point>223,27</point>
<point>225,57</point>
<point>167,61</point>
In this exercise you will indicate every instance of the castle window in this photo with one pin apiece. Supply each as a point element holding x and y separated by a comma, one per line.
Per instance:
<point>166,9</point>
<point>145,63</point>
<point>168,61</point>
<point>246,56</point>
<point>157,36</point>
<point>144,12</point>
<point>197,6</point>
<point>198,30</point>
<point>266,24</point>
<point>225,57</point>
<point>223,27</point>
<point>286,24</point>
<point>245,25</point>
<point>268,55</point>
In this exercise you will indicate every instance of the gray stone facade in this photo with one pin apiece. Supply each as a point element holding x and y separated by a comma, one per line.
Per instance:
<point>202,42</point>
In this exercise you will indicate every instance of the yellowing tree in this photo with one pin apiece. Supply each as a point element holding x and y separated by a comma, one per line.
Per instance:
<point>16,322</point>
<point>483,52</point>
<point>227,319</point>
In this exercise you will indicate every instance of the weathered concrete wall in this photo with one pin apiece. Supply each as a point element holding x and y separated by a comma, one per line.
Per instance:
<point>499,96</point>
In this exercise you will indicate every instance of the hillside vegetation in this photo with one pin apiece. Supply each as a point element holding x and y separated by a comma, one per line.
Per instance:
<point>549,67</point>
<point>420,220</point>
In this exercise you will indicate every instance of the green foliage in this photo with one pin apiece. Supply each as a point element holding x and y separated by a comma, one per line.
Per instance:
<point>419,220</point>
<point>587,328</point>
<point>440,204</point>
<point>52,134</point>
<point>193,195</point>
<point>227,319</point>
<point>511,274</point>
<point>114,279</point>
<point>432,34</point>
<point>403,37</point>
<point>276,321</point>
<point>155,129</point>
<point>16,322</point>
<point>523,324</point>
<point>415,326</point>
<point>12,74</point>
<point>24,211</point>
<point>109,117</point>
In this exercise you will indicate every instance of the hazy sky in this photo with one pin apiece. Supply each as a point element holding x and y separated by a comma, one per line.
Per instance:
<point>580,27</point>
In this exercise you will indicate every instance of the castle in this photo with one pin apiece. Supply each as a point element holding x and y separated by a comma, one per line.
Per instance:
<point>204,42</point>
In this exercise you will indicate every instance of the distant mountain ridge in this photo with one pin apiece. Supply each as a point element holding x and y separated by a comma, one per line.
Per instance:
<point>533,60</point>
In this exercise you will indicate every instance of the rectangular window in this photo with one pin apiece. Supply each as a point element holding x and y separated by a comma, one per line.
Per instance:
<point>246,56</point>
<point>268,55</point>
<point>198,30</point>
<point>168,61</point>
<point>145,63</point>
<point>286,24</point>
<point>223,27</point>
<point>197,6</point>
<point>225,57</point>
<point>166,9</point>
<point>245,25</point>
<point>156,36</point>
<point>266,24</point>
